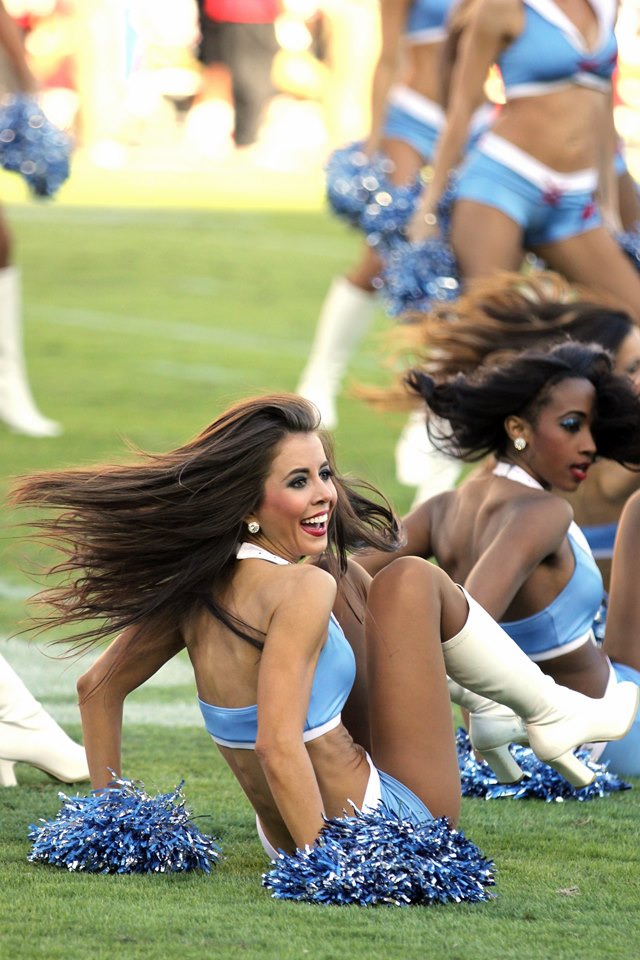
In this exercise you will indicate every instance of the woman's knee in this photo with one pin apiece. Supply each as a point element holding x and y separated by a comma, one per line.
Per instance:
<point>406,578</point>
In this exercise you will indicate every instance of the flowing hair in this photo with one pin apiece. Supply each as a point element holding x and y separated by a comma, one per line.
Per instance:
<point>471,408</point>
<point>150,542</point>
<point>494,319</point>
<point>502,315</point>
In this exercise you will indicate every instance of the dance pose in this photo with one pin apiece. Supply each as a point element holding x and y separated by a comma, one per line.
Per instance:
<point>543,178</point>
<point>202,547</point>
<point>406,119</point>
<point>507,534</point>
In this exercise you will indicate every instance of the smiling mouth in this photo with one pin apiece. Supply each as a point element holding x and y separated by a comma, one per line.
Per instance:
<point>316,526</point>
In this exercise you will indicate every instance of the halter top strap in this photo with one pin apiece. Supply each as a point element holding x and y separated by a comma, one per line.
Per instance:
<point>251,551</point>
<point>513,472</point>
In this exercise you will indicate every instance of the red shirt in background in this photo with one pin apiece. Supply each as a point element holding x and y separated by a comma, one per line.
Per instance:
<point>242,11</point>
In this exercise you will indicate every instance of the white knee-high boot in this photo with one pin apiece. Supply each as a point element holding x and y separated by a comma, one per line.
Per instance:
<point>345,317</point>
<point>28,734</point>
<point>492,727</point>
<point>7,774</point>
<point>485,660</point>
<point>17,406</point>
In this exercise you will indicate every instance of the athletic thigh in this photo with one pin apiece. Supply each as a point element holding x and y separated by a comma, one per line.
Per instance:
<point>594,260</point>
<point>410,714</point>
<point>484,239</point>
<point>407,162</point>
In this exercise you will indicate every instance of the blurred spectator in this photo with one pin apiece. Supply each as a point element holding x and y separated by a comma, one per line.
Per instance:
<point>237,48</point>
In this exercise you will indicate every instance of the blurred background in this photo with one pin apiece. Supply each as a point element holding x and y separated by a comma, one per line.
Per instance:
<point>125,77</point>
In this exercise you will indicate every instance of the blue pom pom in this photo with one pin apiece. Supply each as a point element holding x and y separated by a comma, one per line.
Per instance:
<point>32,146</point>
<point>415,276</point>
<point>359,191</point>
<point>630,243</point>
<point>123,830</point>
<point>390,208</point>
<point>541,782</point>
<point>379,858</point>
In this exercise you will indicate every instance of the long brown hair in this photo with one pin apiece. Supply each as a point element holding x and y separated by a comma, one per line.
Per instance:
<point>504,314</point>
<point>494,319</point>
<point>148,542</point>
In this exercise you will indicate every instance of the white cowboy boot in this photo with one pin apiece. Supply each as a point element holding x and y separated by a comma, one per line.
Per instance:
<point>419,464</point>
<point>345,317</point>
<point>17,406</point>
<point>7,774</point>
<point>28,734</point>
<point>492,727</point>
<point>485,660</point>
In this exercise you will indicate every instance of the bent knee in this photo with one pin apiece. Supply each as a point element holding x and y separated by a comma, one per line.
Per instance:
<point>405,575</point>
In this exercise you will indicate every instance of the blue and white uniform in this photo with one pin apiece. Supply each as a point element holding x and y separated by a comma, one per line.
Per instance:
<point>549,55</point>
<point>237,727</point>
<point>566,624</point>
<point>568,620</point>
<point>410,116</point>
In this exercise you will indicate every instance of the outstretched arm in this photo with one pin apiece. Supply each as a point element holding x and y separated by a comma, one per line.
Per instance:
<point>133,657</point>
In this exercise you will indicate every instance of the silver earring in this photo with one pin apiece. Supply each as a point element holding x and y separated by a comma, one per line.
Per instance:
<point>253,526</point>
<point>520,443</point>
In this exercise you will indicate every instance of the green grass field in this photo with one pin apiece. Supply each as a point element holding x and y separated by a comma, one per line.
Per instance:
<point>152,299</point>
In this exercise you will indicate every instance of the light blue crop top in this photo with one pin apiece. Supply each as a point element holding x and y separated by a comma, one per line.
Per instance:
<point>427,21</point>
<point>565,624</point>
<point>551,53</point>
<point>332,682</point>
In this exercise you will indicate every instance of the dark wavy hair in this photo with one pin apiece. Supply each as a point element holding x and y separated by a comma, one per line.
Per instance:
<point>149,542</point>
<point>471,408</point>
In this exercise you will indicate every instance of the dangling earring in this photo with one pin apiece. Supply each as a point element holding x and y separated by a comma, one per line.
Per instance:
<point>253,526</point>
<point>520,443</point>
